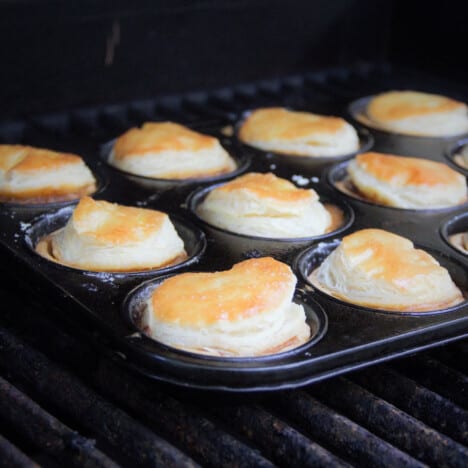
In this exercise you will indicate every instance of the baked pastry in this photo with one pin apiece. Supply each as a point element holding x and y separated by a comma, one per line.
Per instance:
<point>378,269</point>
<point>405,182</point>
<point>461,158</point>
<point>416,113</point>
<point>298,133</point>
<point>166,150</point>
<point>244,311</point>
<point>103,236</point>
<point>35,175</point>
<point>265,205</point>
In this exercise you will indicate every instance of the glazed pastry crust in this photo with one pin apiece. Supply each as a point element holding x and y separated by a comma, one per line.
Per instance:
<point>381,270</point>
<point>35,175</point>
<point>170,151</point>
<point>102,236</point>
<point>404,182</point>
<point>416,113</point>
<point>298,133</point>
<point>245,311</point>
<point>265,205</point>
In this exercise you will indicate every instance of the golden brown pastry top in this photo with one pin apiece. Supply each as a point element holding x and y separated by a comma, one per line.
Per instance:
<point>402,170</point>
<point>27,159</point>
<point>277,123</point>
<point>395,105</point>
<point>155,137</point>
<point>249,288</point>
<point>387,256</point>
<point>269,186</point>
<point>115,224</point>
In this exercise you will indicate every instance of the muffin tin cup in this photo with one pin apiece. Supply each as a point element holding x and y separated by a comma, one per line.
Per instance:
<point>310,259</point>
<point>155,184</point>
<point>134,310</point>
<point>338,174</point>
<point>451,155</point>
<point>102,182</point>
<point>238,247</point>
<point>313,165</point>
<point>451,227</point>
<point>398,143</point>
<point>194,241</point>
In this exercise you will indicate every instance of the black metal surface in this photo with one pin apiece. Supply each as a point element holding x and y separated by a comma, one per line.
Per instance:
<point>92,300</point>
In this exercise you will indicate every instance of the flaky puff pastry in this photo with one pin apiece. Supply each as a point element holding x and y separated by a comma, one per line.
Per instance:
<point>298,133</point>
<point>404,182</point>
<point>102,236</point>
<point>167,150</point>
<point>245,311</point>
<point>35,175</point>
<point>381,270</point>
<point>416,113</point>
<point>265,205</point>
<point>461,158</point>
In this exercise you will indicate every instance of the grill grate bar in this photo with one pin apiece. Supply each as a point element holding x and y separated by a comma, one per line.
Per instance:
<point>391,424</point>
<point>418,401</point>
<point>338,433</point>
<point>279,441</point>
<point>64,391</point>
<point>438,377</point>
<point>12,457</point>
<point>179,422</point>
<point>46,432</point>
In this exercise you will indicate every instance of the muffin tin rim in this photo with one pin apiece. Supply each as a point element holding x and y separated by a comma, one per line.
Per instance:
<point>314,312</point>
<point>330,175</point>
<point>298,261</point>
<point>67,211</point>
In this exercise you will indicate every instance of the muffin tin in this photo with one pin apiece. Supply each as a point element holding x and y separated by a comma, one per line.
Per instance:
<point>346,337</point>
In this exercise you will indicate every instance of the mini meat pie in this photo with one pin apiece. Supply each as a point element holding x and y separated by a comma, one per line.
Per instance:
<point>102,236</point>
<point>298,133</point>
<point>404,182</point>
<point>166,150</point>
<point>245,311</point>
<point>35,175</point>
<point>265,205</point>
<point>416,113</point>
<point>381,270</point>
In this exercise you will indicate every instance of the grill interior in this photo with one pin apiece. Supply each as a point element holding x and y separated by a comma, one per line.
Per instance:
<point>64,404</point>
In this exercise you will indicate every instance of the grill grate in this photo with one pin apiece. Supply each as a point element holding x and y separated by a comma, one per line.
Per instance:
<point>64,405</point>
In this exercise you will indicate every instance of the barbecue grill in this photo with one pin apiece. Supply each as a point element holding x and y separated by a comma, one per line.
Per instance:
<point>68,399</point>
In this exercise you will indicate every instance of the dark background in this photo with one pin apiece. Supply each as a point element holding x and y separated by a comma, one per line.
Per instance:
<point>60,54</point>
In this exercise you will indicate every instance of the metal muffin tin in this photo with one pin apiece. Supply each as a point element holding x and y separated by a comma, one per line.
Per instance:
<point>348,337</point>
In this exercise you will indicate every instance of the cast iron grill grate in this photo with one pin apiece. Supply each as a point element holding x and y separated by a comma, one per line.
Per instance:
<point>63,404</point>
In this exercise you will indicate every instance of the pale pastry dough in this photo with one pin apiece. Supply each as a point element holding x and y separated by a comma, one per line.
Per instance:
<point>381,270</point>
<point>167,150</point>
<point>461,158</point>
<point>102,236</point>
<point>35,175</point>
<point>416,113</point>
<point>298,133</point>
<point>267,206</point>
<point>404,182</point>
<point>245,311</point>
